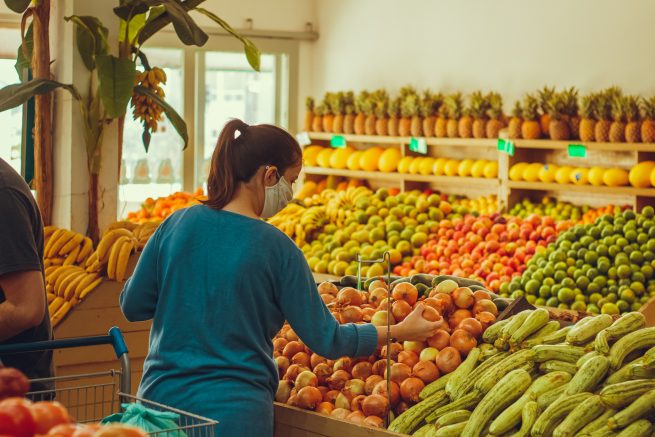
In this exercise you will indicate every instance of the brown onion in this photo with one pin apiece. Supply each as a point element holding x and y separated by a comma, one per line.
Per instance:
<point>371,382</point>
<point>362,370</point>
<point>328,287</point>
<point>448,359</point>
<point>485,305</point>
<point>400,309</point>
<point>374,421</point>
<point>379,367</point>
<point>315,360</point>
<point>382,317</point>
<point>349,296</point>
<point>292,348</point>
<point>431,314</point>
<point>457,316</point>
<point>301,358</point>
<point>377,296</point>
<point>439,340</point>
<point>323,372</point>
<point>399,372</point>
<point>291,335</point>
<point>426,371</point>
<point>343,363</point>
<point>378,283</point>
<point>338,379</point>
<point>463,297</point>
<point>356,403</point>
<point>384,305</point>
<point>340,413</point>
<point>351,314</point>
<point>279,343</point>
<point>375,405</point>
<point>293,400</point>
<point>354,387</point>
<point>343,400</point>
<point>356,417</point>
<point>325,408</point>
<point>368,313</point>
<point>401,408</point>
<point>381,389</point>
<point>327,298</point>
<point>293,371</point>
<point>486,319</point>
<point>306,379</point>
<point>463,341</point>
<point>283,391</point>
<point>408,357</point>
<point>331,396</point>
<point>396,348</point>
<point>410,388</point>
<point>282,364</point>
<point>471,325</point>
<point>323,389</point>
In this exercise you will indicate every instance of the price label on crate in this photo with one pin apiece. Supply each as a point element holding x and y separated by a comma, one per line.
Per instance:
<point>577,151</point>
<point>338,142</point>
<point>303,139</point>
<point>506,146</point>
<point>418,145</point>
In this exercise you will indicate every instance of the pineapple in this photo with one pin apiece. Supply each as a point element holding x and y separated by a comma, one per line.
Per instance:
<point>410,123</point>
<point>349,109</point>
<point>531,127</point>
<point>328,116</point>
<point>369,111</point>
<point>570,97</point>
<point>516,121</point>
<point>587,110</point>
<point>337,103</point>
<point>440,125</point>
<point>617,128</point>
<point>429,106</point>
<point>393,110</point>
<point>360,118</point>
<point>453,105</point>
<point>381,101</point>
<point>545,95</point>
<point>632,114</point>
<point>478,106</point>
<point>559,127</point>
<point>317,122</point>
<point>465,124</point>
<point>495,113</point>
<point>648,125</point>
<point>604,113</point>
<point>309,114</point>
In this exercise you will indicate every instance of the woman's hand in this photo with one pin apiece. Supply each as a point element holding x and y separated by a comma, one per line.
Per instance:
<point>413,328</point>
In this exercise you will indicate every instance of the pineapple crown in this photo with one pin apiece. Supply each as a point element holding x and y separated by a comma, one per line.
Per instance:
<point>406,91</point>
<point>349,102</point>
<point>368,105</point>
<point>393,109</point>
<point>360,101</point>
<point>327,102</point>
<point>530,107</point>
<point>605,102</point>
<point>453,104</point>
<point>495,110</point>
<point>619,108</point>
<point>309,104</point>
<point>570,97</point>
<point>320,109</point>
<point>557,106</point>
<point>478,105</point>
<point>381,107</point>
<point>648,108</point>
<point>429,104</point>
<point>337,103</point>
<point>588,105</point>
<point>545,96</point>
<point>410,105</point>
<point>632,106</point>
<point>517,111</point>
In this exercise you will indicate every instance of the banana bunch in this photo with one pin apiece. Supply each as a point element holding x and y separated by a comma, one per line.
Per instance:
<point>343,202</point>
<point>145,108</point>
<point>64,247</point>
<point>287,219</point>
<point>113,253</point>
<point>311,222</point>
<point>66,286</point>
<point>142,232</point>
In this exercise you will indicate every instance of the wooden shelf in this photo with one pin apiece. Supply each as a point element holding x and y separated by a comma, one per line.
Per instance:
<point>563,145</point>
<point>448,180</point>
<point>355,174</point>
<point>375,139</point>
<point>542,186</point>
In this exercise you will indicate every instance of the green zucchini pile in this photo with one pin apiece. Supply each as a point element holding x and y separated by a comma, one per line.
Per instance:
<point>532,378</point>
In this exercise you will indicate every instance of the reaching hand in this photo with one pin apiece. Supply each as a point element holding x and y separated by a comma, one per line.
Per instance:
<point>415,328</point>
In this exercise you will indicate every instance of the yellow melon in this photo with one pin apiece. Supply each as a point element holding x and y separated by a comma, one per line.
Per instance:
<point>370,158</point>
<point>465,167</point>
<point>339,158</point>
<point>615,177</point>
<point>389,160</point>
<point>491,170</point>
<point>309,155</point>
<point>425,168</point>
<point>547,173</point>
<point>353,160</point>
<point>516,171</point>
<point>640,174</point>
<point>439,166</point>
<point>451,167</point>
<point>404,164</point>
<point>595,176</point>
<point>477,169</point>
<point>531,172</point>
<point>323,157</point>
<point>415,165</point>
<point>563,174</point>
<point>652,178</point>
<point>580,176</point>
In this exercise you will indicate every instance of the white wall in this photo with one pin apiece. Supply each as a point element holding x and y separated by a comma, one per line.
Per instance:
<point>512,46</point>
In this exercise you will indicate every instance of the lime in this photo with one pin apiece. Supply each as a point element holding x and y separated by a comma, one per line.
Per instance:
<point>635,306</point>
<point>517,294</point>
<point>610,308</point>
<point>647,271</point>
<point>590,257</point>
<point>648,211</point>
<point>540,302</point>
<point>578,306</point>
<point>566,295</point>
<point>612,297</point>
<point>623,271</point>
<point>544,291</point>
<point>531,299</point>
<point>532,286</point>
<point>552,302</point>
<point>623,306</point>
<point>593,309</point>
<point>582,282</point>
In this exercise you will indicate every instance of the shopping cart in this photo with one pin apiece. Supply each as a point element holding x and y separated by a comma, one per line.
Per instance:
<point>91,397</point>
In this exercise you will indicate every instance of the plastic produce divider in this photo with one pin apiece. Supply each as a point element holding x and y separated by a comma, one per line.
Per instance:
<point>386,257</point>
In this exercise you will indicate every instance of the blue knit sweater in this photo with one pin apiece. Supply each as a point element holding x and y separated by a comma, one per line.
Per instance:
<point>218,286</point>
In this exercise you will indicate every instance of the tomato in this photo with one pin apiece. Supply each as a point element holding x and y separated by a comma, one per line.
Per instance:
<point>16,420</point>
<point>47,415</point>
<point>73,430</point>
<point>116,430</point>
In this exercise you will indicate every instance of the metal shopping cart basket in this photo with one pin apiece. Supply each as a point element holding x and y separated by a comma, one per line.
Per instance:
<point>91,397</point>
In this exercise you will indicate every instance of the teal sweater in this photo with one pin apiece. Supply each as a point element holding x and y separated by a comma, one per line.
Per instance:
<point>218,286</point>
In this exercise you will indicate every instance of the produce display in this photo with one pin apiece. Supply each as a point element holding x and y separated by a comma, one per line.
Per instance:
<point>603,267</point>
<point>156,210</point>
<point>562,210</point>
<point>530,377</point>
<point>604,116</point>
<point>355,388</point>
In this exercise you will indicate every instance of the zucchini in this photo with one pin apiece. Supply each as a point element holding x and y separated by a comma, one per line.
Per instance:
<point>583,332</point>
<point>546,399</point>
<point>468,384</point>
<point>644,405</point>
<point>641,371</point>
<point>421,278</point>
<point>462,372</point>
<point>487,350</point>
<point>511,417</point>
<point>555,412</point>
<point>556,365</point>
<point>435,386</point>
<point>603,432</point>
<point>623,393</point>
<point>649,358</point>
<point>581,415</point>
<point>452,418</point>
<point>536,320</point>
<point>560,352</point>
<point>454,430</point>
<point>557,337</point>
<point>583,359</point>
<point>521,359</point>
<point>492,332</point>
<point>597,423</point>
<point>412,418</point>
<point>508,389</point>
<point>589,376</point>
<point>349,281</point>
<point>502,342</point>
<point>468,401</point>
<point>529,416</point>
<point>624,373</point>
<point>639,428</point>
<point>537,337</point>
<point>641,339</point>
<point>423,431</point>
<point>626,324</point>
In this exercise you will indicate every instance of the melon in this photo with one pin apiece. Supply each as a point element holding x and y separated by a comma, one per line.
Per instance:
<point>640,174</point>
<point>615,177</point>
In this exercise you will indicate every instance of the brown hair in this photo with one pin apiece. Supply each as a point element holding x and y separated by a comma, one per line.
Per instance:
<point>236,160</point>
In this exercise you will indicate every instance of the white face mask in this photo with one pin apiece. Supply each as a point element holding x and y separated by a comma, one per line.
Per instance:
<point>276,197</point>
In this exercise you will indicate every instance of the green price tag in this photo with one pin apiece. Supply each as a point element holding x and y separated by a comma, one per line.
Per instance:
<point>577,151</point>
<point>501,144</point>
<point>506,146</point>
<point>338,142</point>
<point>418,145</point>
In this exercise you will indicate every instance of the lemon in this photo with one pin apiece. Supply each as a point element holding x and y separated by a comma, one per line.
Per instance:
<point>547,173</point>
<point>465,167</point>
<point>439,166</point>
<point>310,153</point>
<point>563,174</point>
<point>339,158</point>
<point>389,160</point>
<point>516,172</point>
<point>491,170</point>
<point>425,167</point>
<point>580,176</point>
<point>451,167</point>
<point>404,164</point>
<point>615,177</point>
<point>640,174</point>
<point>415,165</point>
<point>531,172</point>
<point>477,169</point>
<point>595,176</point>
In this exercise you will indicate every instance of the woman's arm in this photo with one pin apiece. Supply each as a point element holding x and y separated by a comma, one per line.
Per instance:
<point>138,299</point>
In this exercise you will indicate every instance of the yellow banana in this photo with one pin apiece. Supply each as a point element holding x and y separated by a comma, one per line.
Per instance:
<point>60,242</point>
<point>69,289</point>
<point>55,235</point>
<point>107,242</point>
<point>81,286</point>
<point>123,260</point>
<point>52,277</point>
<point>50,297</point>
<point>85,251</point>
<point>72,256</point>
<point>125,224</point>
<point>49,230</point>
<point>71,244</point>
<point>113,256</point>
<point>49,289</point>
<point>47,263</point>
<point>94,267</point>
<point>56,261</point>
<point>91,259</point>
<point>65,278</point>
<point>89,288</point>
<point>55,304</point>
<point>61,290</point>
<point>60,314</point>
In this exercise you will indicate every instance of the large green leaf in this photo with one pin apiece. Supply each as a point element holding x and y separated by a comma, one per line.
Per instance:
<point>136,24</point>
<point>129,9</point>
<point>175,118</point>
<point>159,20</point>
<point>116,76</point>
<point>16,94</point>
<point>252,52</point>
<point>91,36</point>
<point>24,55</point>
<point>187,29</point>
<point>18,6</point>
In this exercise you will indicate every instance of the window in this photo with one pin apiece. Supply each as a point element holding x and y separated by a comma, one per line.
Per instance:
<point>11,121</point>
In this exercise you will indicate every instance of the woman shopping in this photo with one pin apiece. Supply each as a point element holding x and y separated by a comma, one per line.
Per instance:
<point>218,283</point>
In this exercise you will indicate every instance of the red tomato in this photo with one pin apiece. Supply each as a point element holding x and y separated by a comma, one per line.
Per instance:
<point>48,415</point>
<point>16,420</point>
